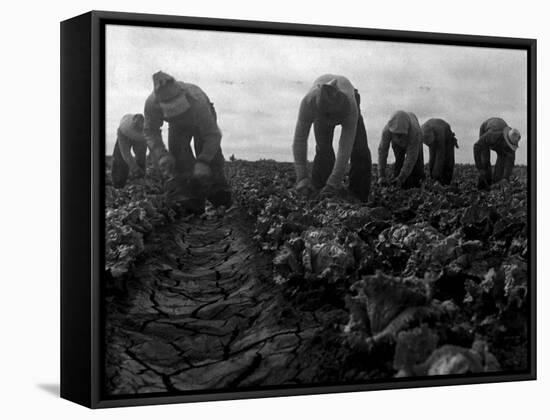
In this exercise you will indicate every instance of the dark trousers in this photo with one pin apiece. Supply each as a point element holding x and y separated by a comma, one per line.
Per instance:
<point>442,159</point>
<point>217,189</point>
<point>503,166</point>
<point>417,175</point>
<point>120,169</point>
<point>360,173</point>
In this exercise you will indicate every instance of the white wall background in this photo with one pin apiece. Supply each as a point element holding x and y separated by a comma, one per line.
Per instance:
<point>30,211</point>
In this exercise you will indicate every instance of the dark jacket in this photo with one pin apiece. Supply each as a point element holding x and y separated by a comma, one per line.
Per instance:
<point>441,141</point>
<point>200,119</point>
<point>404,123</point>
<point>491,137</point>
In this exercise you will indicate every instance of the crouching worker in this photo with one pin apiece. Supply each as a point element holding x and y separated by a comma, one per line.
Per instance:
<point>129,138</point>
<point>404,134</point>
<point>330,102</point>
<point>441,141</point>
<point>190,115</point>
<point>496,135</point>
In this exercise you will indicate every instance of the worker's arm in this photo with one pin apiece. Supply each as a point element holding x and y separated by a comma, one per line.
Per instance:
<point>482,159</point>
<point>411,155</point>
<point>151,129</point>
<point>209,131</point>
<point>345,146</point>
<point>509,165</point>
<point>124,146</point>
<point>301,134</point>
<point>383,149</point>
<point>439,165</point>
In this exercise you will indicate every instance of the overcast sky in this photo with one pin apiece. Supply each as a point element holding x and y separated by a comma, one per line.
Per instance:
<point>256,83</point>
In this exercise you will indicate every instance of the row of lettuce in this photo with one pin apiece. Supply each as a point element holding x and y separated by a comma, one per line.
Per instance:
<point>434,280</point>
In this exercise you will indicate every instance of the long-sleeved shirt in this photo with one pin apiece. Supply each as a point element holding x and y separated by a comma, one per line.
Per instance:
<point>310,112</point>
<point>127,136</point>
<point>200,119</point>
<point>491,133</point>
<point>491,137</point>
<point>404,123</point>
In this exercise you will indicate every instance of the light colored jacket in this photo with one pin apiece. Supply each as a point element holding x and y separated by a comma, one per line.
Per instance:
<point>309,113</point>
<point>200,120</point>
<point>127,128</point>
<point>127,136</point>
<point>404,123</point>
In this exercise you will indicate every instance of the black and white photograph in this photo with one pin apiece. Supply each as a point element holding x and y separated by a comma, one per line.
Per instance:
<point>287,211</point>
<point>275,210</point>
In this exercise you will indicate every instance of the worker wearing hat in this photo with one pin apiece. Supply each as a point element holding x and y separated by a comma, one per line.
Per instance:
<point>441,142</point>
<point>496,135</point>
<point>190,115</point>
<point>129,138</point>
<point>404,134</point>
<point>332,101</point>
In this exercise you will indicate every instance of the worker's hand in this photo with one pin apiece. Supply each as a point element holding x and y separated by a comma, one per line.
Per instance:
<point>136,171</point>
<point>438,187</point>
<point>202,171</point>
<point>503,183</point>
<point>167,164</point>
<point>171,186</point>
<point>382,181</point>
<point>329,191</point>
<point>482,183</point>
<point>305,188</point>
<point>396,182</point>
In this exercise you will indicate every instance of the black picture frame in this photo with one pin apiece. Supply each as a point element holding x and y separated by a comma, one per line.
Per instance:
<point>82,201</point>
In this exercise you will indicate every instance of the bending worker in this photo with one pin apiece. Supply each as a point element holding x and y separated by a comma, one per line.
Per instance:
<point>441,141</point>
<point>190,115</point>
<point>129,138</point>
<point>332,101</point>
<point>404,134</point>
<point>496,135</point>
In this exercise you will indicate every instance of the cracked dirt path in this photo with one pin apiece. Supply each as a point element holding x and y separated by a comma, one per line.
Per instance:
<point>202,312</point>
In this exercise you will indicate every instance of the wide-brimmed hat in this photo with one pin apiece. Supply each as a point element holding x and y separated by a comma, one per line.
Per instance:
<point>169,95</point>
<point>512,137</point>
<point>128,127</point>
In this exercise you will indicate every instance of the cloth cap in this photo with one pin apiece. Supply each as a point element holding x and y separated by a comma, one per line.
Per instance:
<point>331,100</point>
<point>169,94</point>
<point>512,137</point>
<point>399,123</point>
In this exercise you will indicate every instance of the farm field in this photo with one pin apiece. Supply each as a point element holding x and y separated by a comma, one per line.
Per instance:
<point>279,290</point>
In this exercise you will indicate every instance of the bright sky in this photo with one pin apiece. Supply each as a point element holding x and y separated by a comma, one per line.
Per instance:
<point>256,83</point>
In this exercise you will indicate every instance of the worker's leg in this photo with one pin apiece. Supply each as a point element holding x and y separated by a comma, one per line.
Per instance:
<point>399,154</point>
<point>508,167</point>
<point>323,163</point>
<point>140,152</point>
<point>119,168</point>
<point>417,175</point>
<point>181,188</point>
<point>179,145</point>
<point>360,174</point>
<point>216,189</point>
<point>449,161</point>
<point>482,158</point>
<point>431,162</point>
